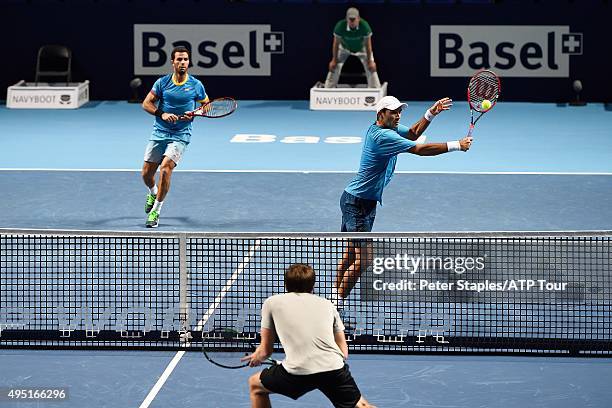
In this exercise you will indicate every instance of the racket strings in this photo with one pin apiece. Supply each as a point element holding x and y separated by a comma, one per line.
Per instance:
<point>484,86</point>
<point>219,107</point>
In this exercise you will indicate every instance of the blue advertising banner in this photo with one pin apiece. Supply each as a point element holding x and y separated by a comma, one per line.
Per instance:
<point>280,50</point>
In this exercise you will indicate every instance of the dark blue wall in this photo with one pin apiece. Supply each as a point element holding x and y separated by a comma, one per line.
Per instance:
<point>100,34</point>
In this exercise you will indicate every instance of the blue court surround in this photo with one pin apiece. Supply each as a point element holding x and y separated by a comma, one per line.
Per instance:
<point>123,379</point>
<point>513,137</point>
<point>299,202</point>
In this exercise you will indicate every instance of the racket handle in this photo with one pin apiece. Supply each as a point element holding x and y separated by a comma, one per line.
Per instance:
<point>470,130</point>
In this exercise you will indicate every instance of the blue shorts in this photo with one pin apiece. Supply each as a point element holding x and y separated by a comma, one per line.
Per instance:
<point>357,213</point>
<point>157,149</point>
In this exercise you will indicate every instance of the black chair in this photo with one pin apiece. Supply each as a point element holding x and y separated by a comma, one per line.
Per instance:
<point>54,61</point>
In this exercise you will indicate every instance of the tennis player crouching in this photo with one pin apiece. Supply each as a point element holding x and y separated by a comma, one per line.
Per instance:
<point>312,334</point>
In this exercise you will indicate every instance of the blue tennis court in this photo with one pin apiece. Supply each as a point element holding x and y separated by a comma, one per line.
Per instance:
<point>79,170</point>
<point>111,379</point>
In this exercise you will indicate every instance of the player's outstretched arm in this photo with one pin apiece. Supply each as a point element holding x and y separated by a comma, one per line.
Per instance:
<point>419,127</point>
<point>434,149</point>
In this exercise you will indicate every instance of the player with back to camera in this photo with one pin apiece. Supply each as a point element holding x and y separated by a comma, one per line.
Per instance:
<point>312,335</point>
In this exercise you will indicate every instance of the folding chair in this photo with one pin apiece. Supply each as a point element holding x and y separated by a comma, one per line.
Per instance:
<point>54,61</point>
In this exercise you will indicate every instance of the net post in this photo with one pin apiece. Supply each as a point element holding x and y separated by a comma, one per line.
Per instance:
<point>183,288</point>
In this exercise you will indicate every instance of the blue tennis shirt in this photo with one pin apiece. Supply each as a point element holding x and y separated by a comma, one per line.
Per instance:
<point>177,98</point>
<point>378,157</point>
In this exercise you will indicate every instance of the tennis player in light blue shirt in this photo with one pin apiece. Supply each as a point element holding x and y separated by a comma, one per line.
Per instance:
<point>177,98</point>
<point>384,140</point>
<point>378,157</point>
<point>171,96</point>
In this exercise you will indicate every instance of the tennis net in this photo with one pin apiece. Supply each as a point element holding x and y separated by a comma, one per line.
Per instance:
<point>486,292</point>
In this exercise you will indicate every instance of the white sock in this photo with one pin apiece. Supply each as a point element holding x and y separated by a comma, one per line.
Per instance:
<point>153,190</point>
<point>157,206</point>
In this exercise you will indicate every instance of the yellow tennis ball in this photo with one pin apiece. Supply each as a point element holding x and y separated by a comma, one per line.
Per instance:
<point>486,104</point>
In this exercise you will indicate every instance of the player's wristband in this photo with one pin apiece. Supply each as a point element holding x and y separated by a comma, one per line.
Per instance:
<point>453,146</point>
<point>159,112</point>
<point>428,115</point>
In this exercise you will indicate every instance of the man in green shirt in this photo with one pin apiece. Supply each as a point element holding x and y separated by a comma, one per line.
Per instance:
<point>352,36</point>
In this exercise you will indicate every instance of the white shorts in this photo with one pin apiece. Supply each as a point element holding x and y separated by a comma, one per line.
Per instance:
<point>157,149</point>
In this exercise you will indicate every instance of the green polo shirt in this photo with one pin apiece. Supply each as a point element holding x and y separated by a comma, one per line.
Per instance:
<point>352,39</point>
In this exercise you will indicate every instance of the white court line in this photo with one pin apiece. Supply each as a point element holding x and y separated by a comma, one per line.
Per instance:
<point>161,381</point>
<point>211,309</point>
<point>542,173</point>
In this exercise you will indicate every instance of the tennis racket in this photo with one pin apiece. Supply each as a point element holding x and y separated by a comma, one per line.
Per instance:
<point>225,348</point>
<point>484,85</point>
<point>217,108</point>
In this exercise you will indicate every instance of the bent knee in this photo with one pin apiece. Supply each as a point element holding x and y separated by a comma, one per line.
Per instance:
<point>148,170</point>
<point>362,403</point>
<point>166,169</point>
<point>256,386</point>
<point>254,381</point>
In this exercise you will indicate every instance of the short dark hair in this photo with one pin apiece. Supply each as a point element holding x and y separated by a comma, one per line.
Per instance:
<point>300,278</point>
<point>380,112</point>
<point>180,48</point>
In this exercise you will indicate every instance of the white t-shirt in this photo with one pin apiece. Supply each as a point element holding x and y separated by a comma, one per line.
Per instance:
<point>305,325</point>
